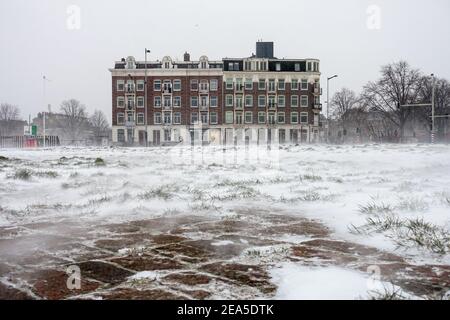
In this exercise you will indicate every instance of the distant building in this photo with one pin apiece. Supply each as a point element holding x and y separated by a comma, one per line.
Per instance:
<point>259,99</point>
<point>9,128</point>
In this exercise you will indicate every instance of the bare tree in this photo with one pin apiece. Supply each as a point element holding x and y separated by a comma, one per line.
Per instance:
<point>9,112</point>
<point>342,105</point>
<point>99,124</point>
<point>399,85</point>
<point>74,118</point>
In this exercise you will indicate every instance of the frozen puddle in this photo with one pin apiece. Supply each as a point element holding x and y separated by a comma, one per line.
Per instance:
<point>298,282</point>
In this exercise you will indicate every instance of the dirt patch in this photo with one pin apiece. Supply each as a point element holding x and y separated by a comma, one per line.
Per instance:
<point>185,252</point>
<point>52,285</point>
<point>147,262</point>
<point>197,294</point>
<point>166,239</point>
<point>10,293</point>
<point>104,272</point>
<point>308,228</point>
<point>250,275</point>
<point>222,251</point>
<point>132,294</point>
<point>188,278</point>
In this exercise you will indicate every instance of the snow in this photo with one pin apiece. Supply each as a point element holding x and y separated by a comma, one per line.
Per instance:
<point>144,275</point>
<point>222,243</point>
<point>325,183</point>
<point>296,282</point>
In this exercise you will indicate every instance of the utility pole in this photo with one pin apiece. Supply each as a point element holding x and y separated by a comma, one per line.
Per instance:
<point>432,107</point>
<point>44,80</point>
<point>145,99</point>
<point>328,106</point>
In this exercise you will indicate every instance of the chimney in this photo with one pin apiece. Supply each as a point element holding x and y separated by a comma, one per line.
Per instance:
<point>264,49</point>
<point>187,57</point>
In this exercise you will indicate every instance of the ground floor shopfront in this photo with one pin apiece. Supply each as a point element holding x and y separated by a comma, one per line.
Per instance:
<point>215,135</point>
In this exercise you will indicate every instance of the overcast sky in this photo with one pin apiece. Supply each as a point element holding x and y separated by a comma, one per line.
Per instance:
<point>344,35</point>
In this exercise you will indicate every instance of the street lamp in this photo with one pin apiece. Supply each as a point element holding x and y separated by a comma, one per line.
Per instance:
<point>145,99</point>
<point>328,105</point>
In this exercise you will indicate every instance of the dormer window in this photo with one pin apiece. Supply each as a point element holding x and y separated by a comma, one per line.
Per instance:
<point>131,63</point>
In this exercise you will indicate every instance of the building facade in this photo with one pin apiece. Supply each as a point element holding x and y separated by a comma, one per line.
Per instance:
<point>259,99</point>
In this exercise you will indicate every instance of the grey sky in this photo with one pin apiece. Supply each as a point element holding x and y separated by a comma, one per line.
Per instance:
<point>35,40</point>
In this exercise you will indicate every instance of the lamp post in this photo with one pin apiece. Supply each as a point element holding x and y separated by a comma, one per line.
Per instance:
<point>44,80</point>
<point>328,105</point>
<point>145,99</point>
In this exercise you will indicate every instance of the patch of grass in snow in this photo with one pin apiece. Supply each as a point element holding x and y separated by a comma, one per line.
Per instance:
<point>238,183</point>
<point>336,179</point>
<point>99,162</point>
<point>375,208</point>
<point>412,204</point>
<point>3,158</point>
<point>102,199</point>
<point>46,174</point>
<point>164,192</point>
<point>392,293</point>
<point>22,174</point>
<point>407,233</point>
<point>310,177</point>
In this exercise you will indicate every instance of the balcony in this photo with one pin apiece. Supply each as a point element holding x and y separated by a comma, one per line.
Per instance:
<point>130,124</point>
<point>167,91</point>
<point>272,105</point>
<point>317,90</point>
<point>203,89</point>
<point>204,107</point>
<point>317,106</point>
<point>130,89</point>
<point>239,87</point>
<point>239,106</point>
<point>167,108</point>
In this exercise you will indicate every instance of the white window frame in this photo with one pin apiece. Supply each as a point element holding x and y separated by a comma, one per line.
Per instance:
<point>251,100</point>
<point>261,113</point>
<point>157,83</point>
<point>283,81</point>
<point>140,114</point>
<point>216,98</point>
<point>175,116</point>
<point>249,82</point>
<point>292,115</point>
<point>211,116</point>
<point>123,117</point>
<point>302,114</point>
<point>155,115</point>
<point>227,115</point>
<point>282,97</point>
<point>191,117</point>
<point>260,82</point>
<point>278,117</point>
<point>175,83</point>
<point>191,101</point>
<point>229,84</point>
<point>292,99</point>
<point>193,84</point>
<point>213,85</point>
<point>155,105</point>
<point>122,82</point>
<point>229,100</point>
<point>302,99</point>
<point>121,98</point>
<point>140,85</point>
<point>138,100</point>
<point>175,98</point>
<point>259,100</point>
<point>251,116</point>
<point>304,84</point>
<point>296,84</point>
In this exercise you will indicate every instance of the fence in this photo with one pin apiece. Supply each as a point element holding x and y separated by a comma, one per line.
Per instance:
<point>22,142</point>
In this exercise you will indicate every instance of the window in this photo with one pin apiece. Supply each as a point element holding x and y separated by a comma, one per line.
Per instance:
<point>272,118</point>
<point>294,117</point>
<point>294,101</point>
<point>203,65</point>
<point>272,101</point>
<point>278,66</point>
<point>213,117</point>
<point>230,66</point>
<point>167,101</point>
<point>229,100</point>
<point>281,101</point>
<point>238,117</point>
<point>297,67</point>
<point>130,86</point>
<point>204,101</point>
<point>271,85</point>
<point>140,102</point>
<point>140,118</point>
<point>177,101</point>
<point>120,118</point>
<point>261,101</point>
<point>239,101</point>
<point>213,85</point>
<point>304,101</point>
<point>213,101</point>
<point>262,84</point>
<point>204,85</point>
<point>177,85</point>
<point>194,102</point>
<point>120,102</point>
<point>309,66</point>
<point>236,66</point>
<point>157,117</point>
<point>248,117</point>
<point>167,118</point>
<point>248,84</point>
<point>157,85</point>
<point>294,84</point>
<point>194,85</point>
<point>204,117</point>
<point>130,102</point>
<point>281,84</point>
<point>261,117</point>
<point>140,85</point>
<point>304,84</point>
<point>194,117</point>
<point>303,117</point>
<point>120,85</point>
<point>249,101</point>
<point>229,84</point>
<point>177,118</point>
<point>130,116</point>
<point>157,102</point>
<point>121,135</point>
<point>281,117</point>
<point>229,117</point>
<point>239,86</point>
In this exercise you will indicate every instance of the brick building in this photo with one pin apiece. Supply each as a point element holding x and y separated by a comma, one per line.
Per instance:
<point>258,99</point>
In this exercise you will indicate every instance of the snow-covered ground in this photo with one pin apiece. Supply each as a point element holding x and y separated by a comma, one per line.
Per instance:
<point>395,198</point>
